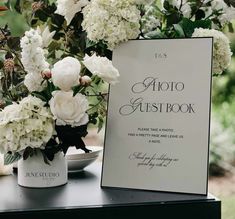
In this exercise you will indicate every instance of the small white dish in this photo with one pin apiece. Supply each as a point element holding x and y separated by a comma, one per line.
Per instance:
<point>74,154</point>
<point>79,165</point>
<point>77,159</point>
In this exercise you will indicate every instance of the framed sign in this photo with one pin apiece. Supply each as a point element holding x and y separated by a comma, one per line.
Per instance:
<point>158,123</point>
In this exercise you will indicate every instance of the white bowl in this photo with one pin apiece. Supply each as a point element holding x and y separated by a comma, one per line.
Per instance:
<point>77,159</point>
<point>77,154</point>
<point>79,165</point>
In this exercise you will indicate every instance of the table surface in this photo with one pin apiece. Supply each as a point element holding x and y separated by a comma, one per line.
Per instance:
<point>82,191</point>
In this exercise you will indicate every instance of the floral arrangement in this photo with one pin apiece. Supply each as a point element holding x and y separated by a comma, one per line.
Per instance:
<point>54,78</point>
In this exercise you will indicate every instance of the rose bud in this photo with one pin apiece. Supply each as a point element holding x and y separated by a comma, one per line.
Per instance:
<point>85,80</point>
<point>46,74</point>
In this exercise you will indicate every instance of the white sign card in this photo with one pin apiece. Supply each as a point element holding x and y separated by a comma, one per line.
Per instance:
<point>158,123</point>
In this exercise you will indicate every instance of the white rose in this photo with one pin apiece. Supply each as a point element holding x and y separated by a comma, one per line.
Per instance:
<point>68,109</point>
<point>65,73</point>
<point>102,67</point>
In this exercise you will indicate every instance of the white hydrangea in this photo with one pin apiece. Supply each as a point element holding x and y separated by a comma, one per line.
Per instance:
<point>28,123</point>
<point>102,67</point>
<point>221,49</point>
<point>112,21</point>
<point>68,8</point>
<point>33,58</point>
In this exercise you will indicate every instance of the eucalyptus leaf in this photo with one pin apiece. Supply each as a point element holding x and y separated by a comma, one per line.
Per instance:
<point>11,158</point>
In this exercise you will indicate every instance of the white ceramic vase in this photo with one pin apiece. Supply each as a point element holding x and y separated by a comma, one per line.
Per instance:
<point>35,173</point>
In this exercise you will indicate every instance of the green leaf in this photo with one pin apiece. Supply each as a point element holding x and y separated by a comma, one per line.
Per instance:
<point>47,157</point>
<point>41,15</point>
<point>206,24</point>
<point>230,2</point>
<point>179,30</point>
<point>100,124</point>
<point>166,5</point>
<point>1,64</point>
<point>189,26</point>
<point>77,89</point>
<point>17,6</point>
<point>28,152</point>
<point>173,18</point>
<point>200,14</point>
<point>230,28</point>
<point>11,158</point>
<point>155,34</point>
<point>90,43</point>
<point>54,45</point>
<point>50,89</point>
<point>14,43</point>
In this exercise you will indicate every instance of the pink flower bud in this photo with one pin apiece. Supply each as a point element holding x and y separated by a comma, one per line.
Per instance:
<point>46,74</point>
<point>85,80</point>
